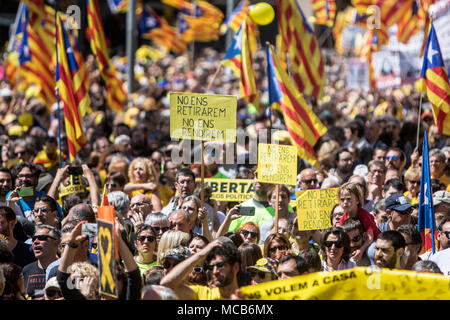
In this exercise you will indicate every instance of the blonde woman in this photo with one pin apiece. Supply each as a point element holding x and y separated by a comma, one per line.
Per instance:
<point>86,278</point>
<point>169,240</point>
<point>143,180</point>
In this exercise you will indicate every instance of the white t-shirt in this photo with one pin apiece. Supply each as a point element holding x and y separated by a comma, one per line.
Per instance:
<point>442,259</point>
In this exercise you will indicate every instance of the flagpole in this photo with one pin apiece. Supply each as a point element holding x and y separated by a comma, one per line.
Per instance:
<point>418,120</point>
<point>213,78</point>
<point>56,87</point>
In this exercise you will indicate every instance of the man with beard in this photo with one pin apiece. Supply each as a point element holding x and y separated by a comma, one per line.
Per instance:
<point>355,231</point>
<point>344,165</point>
<point>184,185</point>
<point>390,247</point>
<point>45,247</point>
<point>395,159</point>
<point>222,261</point>
<point>5,184</point>
<point>413,247</point>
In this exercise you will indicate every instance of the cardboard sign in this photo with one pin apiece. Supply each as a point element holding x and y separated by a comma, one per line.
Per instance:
<point>238,190</point>
<point>314,208</point>
<point>277,164</point>
<point>208,117</point>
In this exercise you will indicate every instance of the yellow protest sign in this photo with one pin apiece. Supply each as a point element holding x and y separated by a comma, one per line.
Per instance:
<point>277,163</point>
<point>106,259</point>
<point>314,208</point>
<point>238,190</point>
<point>362,283</point>
<point>208,117</point>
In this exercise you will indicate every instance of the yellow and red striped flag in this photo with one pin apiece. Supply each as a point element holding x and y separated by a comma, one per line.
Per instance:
<point>115,93</point>
<point>239,14</point>
<point>425,18</point>
<point>324,11</point>
<point>73,96</point>
<point>238,58</point>
<point>390,11</point>
<point>308,66</point>
<point>191,28</point>
<point>304,127</point>
<point>434,80</point>
<point>409,24</point>
<point>104,202</point>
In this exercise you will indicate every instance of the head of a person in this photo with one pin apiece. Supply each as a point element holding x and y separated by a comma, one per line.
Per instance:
<point>412,182</point>
<point>361,182</point>
<point>355,231</point>
<point>45,211</point>
<point>82,252</point>
<point>344,160</point>
<point>308,179</point>
<point>180,220</point>
<point>52,291</point>
<point>157,292</point>
<point>46,241</point>
<point>159,222</point>
<point>336,214</point>
<point>185,182</point>
<point>380,154</point>
<point>22,151</point>
<point>235,237</point>
<point>391,187</point>
<point>145,242</point>
<point>197,243</point>
<point>444,233</point>
<point>312,258</point>
<point>350,197</point>
<point>377,172</point>
<point>142,170</point>
<point>81,212</point>
<point>191,204</point>
<point>124,142</point>
<point>390,247</point>
<point>86,272</point>
<point>153,275</point>
<point>141,203</point>
<point>392,173</point>
<point>170,169</point>
<point>284,197</point>
<point>101,144</point>
<point>260,188</point>
<point>120,201</point>
<point>157,159</point>
<point>264,270</point>
<point>7,221</point>
<point>335,244</point>
<point>413,242</point>
<point>6,181</point>
<point>276,245</point>
<point>170,239</point>
<point>250,253</point>
<point>249,232</point>
<point>437,163</point>
<point>291,265</point>
<point>441,203</point>
<point>299,235</point>
<point>25,174</point>
<point>115,181</point>
<point>223,264</point>
<point>427,266</point>
<point>380,213</point>
<point>13,281</point>
<point>398,209</point>
<point>395,159</point>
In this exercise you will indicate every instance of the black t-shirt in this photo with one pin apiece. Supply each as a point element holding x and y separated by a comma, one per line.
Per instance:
<point>23,254</point>
<point>34,280</point>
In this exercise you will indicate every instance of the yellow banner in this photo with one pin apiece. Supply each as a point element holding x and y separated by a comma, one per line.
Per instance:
<point>277,163</point>
<point>239,190</point>
<point>314,208</point>
<point>208,117</point>
<point>354,284</point>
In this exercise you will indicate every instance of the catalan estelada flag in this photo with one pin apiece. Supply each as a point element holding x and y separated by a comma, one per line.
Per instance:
<point>238,58</point>
<point>409,24</point>
<point>308,65</point>
<point>238,15</point>
<point>152,26</point>
<point>324,11</point>
<point>434,80</point>
<point>304,127</point>
<point>73,96</point>
<point>118,6</point>
<point>390,11</point>
<point>115,93</point>
<point>104,202</point>
<point>426,222</point>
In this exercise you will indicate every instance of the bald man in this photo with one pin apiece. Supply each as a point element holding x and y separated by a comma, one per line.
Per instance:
<point>308,179</point>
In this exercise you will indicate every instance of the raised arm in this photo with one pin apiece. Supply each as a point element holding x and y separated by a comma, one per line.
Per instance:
<point>89,175</point>
<point>232,214</point>
<point>61,174</point>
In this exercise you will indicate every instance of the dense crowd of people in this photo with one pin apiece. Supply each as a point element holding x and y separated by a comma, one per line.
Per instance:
<point>171,246</point>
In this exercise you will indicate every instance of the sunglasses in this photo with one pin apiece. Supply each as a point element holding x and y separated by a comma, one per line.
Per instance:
<point>310,181</point>
<point>168,265</point>
<point>337,244</point>
<point>149,238</point>
<point>261,274</point>
<point>355,239</point>
<point>447,233</point>
<point>159,229</point>
<point>391,157</point>
<point>198,269</point>
<point>52,292</point>
<point>280,248</point>
<point>414,181</point>
<point>41,237</point>
<point>112,185</point>
<point>19,153</point>
<point>220,265</point>
<point>246,233</point>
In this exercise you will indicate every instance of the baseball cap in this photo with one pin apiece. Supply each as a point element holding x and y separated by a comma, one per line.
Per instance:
<point>266,265</point>
<point>177,253</point>
<point>441,196</point>
<point>397,202</point>
<point>52,283</point>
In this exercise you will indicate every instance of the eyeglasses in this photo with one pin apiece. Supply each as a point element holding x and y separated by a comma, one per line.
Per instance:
<point>112,185</point>
<point>168,265</point>
<point>280,248</point>
<point>391,157</point>
<point>159,229</point>
<point>140,204</point>
<point>41,237</point>
<point>43,210</point>
<point>261,274</point>
<point>19,153</point>
<point>337,244</point>
<point>447,233</point>
<point>355,238</point>
<point>52,292</point>
<point>246,233</point>
<point>310,181</point>
<point>198,269</point>
<point>220,265</point>
<point>414,181</point>
<point>26,176</point>
<point>149,238</point>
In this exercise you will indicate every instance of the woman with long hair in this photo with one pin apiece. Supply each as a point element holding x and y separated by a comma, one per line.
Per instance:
<point>335,246</point>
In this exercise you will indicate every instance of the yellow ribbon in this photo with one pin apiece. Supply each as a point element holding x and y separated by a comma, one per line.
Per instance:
<point>105,259</point>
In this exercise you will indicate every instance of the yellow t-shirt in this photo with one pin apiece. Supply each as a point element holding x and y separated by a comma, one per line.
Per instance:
<point>412,201</point>
<point>206,293</point>
<point>165,194</point>
<point>140,191</point>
